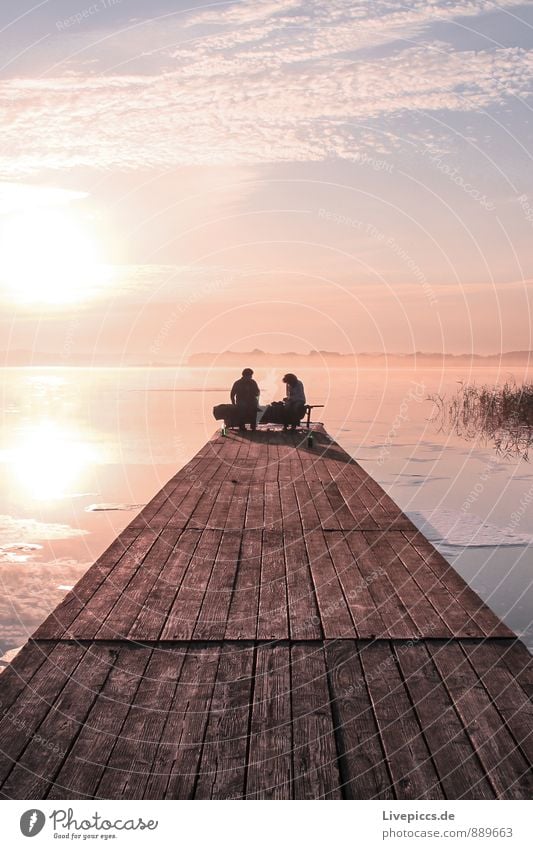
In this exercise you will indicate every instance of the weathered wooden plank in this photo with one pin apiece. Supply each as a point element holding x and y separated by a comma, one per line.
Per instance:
<point>183,614</point>
<point>490,660</point>
<point>256,454</point>
<point>316,771</point>
<point>243,613</point>
<point>175,768</point>
<point>87,759</point>
<point>190,500</point>
<point>357,484</point>
<point>393,612</point>
<point>291,509</point>
<point>272,465</point>
<point>269,774</point>
<point>22,721</point>
<point>514,655</point>
<point>304,616</point>
<point>427,620</point>
<point>363,763</point>
<point>344,517</point>
<point>369,504</point>
<point>285,471</point>
<point>460,771</point>
<point>348,492</point>
<point>121,616</point>
<point>213,616</point>
<point>236,515</point>
<point>408,757</point>
<point>89,618</point>
<point>365,615</point>
<point>222,772</point>
<point>202,515</point>
<point>362,493</point>
<point>295,465</point>
<point>384,500</point>
<point>326,515</point>
<point>503,763</point>
<point>150,510</point>
<point>255,506</point>
<point>188,492</point>
<point>152,617</point>
<point>221,506</point>
<point>272,620</point>
<point>458,620</point>
<point>334,614</point>
<point>359,479</point>
<point>272,515</point>
<point>313,488</point>
<point>132,756</point>
<point>63,720</point>
<point>19,673</point>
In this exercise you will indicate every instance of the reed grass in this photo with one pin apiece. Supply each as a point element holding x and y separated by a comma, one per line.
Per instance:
<point>501,415</point>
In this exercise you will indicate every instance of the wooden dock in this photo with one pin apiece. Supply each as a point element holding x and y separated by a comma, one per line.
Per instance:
<point>270,626</point>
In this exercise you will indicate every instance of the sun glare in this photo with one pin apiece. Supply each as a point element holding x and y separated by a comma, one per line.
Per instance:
<point>48,461</point>
<point>48,256</point>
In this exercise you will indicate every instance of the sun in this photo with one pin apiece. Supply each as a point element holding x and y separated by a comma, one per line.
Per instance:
<point>49,256</point>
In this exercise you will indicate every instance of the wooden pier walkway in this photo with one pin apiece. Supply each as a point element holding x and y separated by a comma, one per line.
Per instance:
<point>271,625</point>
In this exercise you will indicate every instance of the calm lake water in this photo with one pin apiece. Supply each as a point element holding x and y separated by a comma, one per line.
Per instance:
<point>82,449</point>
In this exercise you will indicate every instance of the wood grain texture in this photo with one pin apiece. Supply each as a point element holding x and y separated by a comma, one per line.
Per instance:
<point>270,626</point>
<point>297,719</point>
<point>269,773</point>
<point>270,483</point>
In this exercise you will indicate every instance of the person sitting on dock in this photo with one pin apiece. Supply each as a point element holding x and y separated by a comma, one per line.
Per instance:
<point>245,395</point>
<point>294,402</point>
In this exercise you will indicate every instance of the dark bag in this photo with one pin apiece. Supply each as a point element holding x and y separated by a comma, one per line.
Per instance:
<point>274,413</point>
<point>226,412</point>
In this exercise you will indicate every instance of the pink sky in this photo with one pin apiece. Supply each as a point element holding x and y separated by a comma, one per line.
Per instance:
<point>282,175</point>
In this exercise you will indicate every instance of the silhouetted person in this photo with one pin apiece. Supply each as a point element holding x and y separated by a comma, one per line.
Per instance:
<point>245,395</point>
<point>294,402</point>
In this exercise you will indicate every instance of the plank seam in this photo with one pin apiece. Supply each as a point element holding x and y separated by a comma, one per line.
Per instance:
<point>415,640</point>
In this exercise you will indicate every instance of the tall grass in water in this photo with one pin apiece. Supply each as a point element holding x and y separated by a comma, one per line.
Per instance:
<point>502,415</point>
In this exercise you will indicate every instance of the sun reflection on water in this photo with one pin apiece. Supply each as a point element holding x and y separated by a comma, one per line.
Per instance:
<point>48,460</point>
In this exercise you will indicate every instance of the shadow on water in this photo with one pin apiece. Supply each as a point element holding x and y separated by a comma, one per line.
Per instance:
<point>498,415</point>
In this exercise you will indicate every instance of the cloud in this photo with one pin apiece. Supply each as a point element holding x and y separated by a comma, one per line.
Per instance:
<point>278,81</point>
<point>18,552</point>
<point>338,25</point>
<point>14,532</point>
<point>241,13</point>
